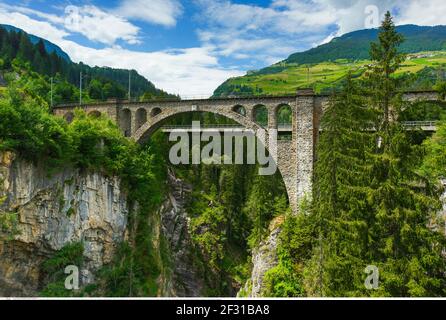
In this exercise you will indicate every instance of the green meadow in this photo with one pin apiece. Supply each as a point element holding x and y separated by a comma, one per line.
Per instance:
<point>321,76</point>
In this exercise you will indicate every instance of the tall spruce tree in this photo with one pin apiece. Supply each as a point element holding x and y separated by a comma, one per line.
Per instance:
<point>371,206</point>
<point>404,247</point>
<point>341,214</point>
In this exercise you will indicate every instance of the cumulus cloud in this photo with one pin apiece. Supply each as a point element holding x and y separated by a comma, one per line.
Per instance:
<point>100,26</point>
<point>95,24</point>
<point>162,12</point>
<point>264,33</point>
<point>188,72</point>
<point>287,26</point>
<point>39,28</point>
<point>192,71</point>
<point>428,13</point>
<point>247,35</point>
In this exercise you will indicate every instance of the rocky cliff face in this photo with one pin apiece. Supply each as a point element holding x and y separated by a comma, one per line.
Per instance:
<point>185,278</point>
<point>52,212</point>
<point>69,206</point>
<point>264,258</point>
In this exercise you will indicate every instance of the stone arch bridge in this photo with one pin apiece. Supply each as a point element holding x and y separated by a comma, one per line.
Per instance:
<point>295,156</point>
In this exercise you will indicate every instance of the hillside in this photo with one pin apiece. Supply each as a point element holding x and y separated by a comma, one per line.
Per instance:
<point>355,45</point>
<point>49,60</point>
<point>49,46</point>
<point>323,67</point>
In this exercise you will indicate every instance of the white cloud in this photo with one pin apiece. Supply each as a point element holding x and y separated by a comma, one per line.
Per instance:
<point>90,21</point>
<point>263,33</point>
<point>287,26</point>
<point>428,13</point>
<point>38,28</point>
<point>100,26</point>
<point>163,12</point>
<point>249,34</point>
<point>192,71</point>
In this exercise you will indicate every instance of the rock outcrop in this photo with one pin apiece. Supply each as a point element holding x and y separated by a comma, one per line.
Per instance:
<point>53,211</point>
<point>264,258</point>
<point>69,206</point>
<point>185,278</point>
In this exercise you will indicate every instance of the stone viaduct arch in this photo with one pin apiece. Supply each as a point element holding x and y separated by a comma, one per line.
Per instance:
<point>295,156</point>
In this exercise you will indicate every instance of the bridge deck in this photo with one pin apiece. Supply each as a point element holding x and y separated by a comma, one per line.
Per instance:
<point>409,125</point>
<point>203,99</point>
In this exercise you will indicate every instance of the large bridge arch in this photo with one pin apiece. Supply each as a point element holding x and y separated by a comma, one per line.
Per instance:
<point>155,122</point>
<point>285,160</point>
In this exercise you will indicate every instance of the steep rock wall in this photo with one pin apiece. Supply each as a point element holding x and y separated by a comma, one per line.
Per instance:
<point>185,279</point>
<point>53,211</point>
<point>264,258</point>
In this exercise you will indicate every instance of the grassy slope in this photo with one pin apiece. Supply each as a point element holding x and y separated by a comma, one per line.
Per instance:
<point>323,76</point>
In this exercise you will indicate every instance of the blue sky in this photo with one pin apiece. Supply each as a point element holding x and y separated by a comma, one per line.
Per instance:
<point>191,46</point>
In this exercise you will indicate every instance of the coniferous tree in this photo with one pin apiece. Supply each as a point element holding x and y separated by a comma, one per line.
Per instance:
<point>404,247</point>
<point>341,215</point>
<point>370,205</point>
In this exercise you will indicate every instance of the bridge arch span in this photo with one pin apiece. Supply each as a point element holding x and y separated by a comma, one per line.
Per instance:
<point>69,117</point>
<point>284,114</point>
<point>240,110</point>
<point>140,118</point>
<point>156,121</point>
<point>155,111</point>
<point>285,160</point>
<point>125,121</point>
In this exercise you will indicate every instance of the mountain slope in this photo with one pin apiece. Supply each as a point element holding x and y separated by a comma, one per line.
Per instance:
<point>49,46</point>
<point>355,45</point>
<point>48,59</point>
<point>323,67</point>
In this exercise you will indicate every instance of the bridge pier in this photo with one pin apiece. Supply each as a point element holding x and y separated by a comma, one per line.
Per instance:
<point>303,128</point>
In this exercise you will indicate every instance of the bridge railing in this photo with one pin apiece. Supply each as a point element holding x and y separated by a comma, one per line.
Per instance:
<point>407,124</point>
<point>203,126</point>
<point>415,124</point>
<point>282,126</point>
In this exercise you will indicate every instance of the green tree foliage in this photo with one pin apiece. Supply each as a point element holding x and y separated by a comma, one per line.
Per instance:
<point>230,210</point>
<point>54,267</point>
<point>341,218</point>
<point>371,203</point>
<point>440,86</point>
<point>407,251</point>
<point>297,239</point>
<point>93,144</point>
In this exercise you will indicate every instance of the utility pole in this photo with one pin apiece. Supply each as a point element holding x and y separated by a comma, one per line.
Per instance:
<point>80,90</point>
<point>51,95</point>
<point>130,83</point>
<point>308,75</point>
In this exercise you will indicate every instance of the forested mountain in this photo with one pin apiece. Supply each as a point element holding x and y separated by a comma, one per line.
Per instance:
<point>355,45</point>
<point>324,67</point>
<point>100,83</point>
<point>49,46</point>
